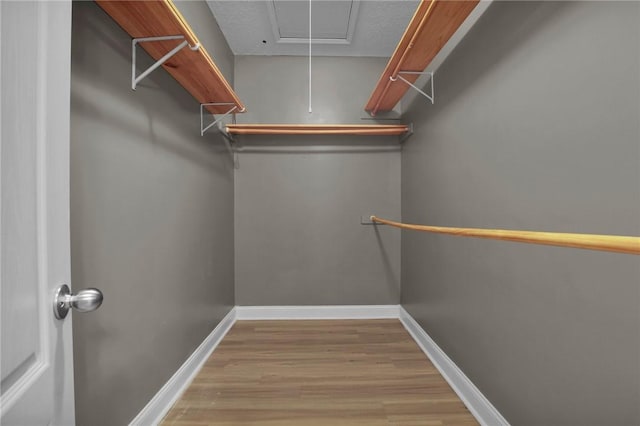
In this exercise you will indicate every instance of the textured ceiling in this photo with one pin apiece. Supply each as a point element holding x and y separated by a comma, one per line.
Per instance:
<point>379,25</point>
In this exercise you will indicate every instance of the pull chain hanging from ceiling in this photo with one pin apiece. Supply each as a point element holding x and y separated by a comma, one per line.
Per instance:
<point>309,56</point>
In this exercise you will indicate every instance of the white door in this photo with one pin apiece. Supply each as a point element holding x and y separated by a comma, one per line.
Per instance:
<point>36,364</point>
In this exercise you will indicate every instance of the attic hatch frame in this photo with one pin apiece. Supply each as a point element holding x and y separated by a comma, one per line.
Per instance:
<point>351,26</point>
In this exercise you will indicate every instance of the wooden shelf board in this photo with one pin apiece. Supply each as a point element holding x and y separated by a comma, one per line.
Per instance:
<point>194,70</point>
<point>433,24</point>
<point>317,129</point>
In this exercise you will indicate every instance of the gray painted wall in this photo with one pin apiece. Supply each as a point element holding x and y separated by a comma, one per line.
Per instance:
<point>151,224</point>
<point>206,28</point>
<point>275,89</point>
<point>298,235</point>
<point>535,126</point>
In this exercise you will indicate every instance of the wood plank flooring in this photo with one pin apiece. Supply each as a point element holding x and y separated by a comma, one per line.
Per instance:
<point>346,372</point>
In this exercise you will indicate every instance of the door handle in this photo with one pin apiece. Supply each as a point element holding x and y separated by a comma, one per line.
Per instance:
<point>86,300</point>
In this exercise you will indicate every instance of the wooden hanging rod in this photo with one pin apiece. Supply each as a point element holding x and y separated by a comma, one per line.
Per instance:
<point>614,243</point>
<point>317,129</point>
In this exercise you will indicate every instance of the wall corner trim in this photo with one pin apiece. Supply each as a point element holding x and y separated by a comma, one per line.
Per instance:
<point>317,312</point>
<point>161,403</point>
<point>484,412</point>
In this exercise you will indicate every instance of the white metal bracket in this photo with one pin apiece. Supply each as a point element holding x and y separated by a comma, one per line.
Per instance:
<point>228,139</point>
<point>430,74</point>
<point>217,120</point>
<point>135,80</point>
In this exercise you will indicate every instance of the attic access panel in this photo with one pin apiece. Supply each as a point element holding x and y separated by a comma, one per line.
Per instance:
<point>332,21</point>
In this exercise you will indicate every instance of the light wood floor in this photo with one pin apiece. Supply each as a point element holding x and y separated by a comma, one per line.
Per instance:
<point>356,372</point>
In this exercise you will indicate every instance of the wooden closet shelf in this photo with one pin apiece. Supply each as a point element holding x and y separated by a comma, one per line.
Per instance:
<point>317,129</point>
<point>194,70</point>
<point>432,25</point>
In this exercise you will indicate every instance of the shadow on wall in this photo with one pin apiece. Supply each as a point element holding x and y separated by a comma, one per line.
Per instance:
<point>93,97</point>
<point>296,144</point>
<point>485,49</point>
<point>126,116</point>
<point>391,279</point>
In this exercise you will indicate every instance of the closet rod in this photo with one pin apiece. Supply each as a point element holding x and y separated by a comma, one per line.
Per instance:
<point>318,129</point>
<point>614,243</point>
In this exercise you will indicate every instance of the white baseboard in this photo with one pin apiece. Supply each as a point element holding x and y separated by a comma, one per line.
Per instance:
<point>317,312</point>
<point>157,408</point>
<point>478,405</point>
<point>161,403</point>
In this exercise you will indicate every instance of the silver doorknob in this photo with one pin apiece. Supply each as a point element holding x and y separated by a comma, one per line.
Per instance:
<point>86,300</point>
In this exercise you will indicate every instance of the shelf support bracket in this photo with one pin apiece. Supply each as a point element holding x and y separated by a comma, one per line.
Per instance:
<point>135,80</point>
<point>407,135</point>
<point>400,77</point>
<point>217,120</point>
<point>228,139</point>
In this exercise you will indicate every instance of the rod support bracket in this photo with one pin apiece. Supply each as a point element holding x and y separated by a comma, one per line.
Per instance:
<point>367,220</point>
<point>228,139</point>
<point>407,135</point>
<point>217,120</point>
<point>399,76</point>
<point>134,42</point>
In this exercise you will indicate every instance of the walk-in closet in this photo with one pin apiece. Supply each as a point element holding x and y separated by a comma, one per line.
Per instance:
<point>320,212</point>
